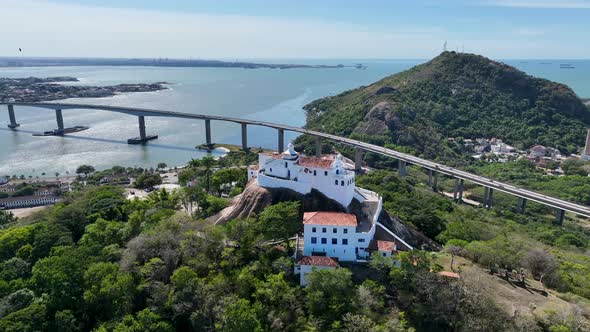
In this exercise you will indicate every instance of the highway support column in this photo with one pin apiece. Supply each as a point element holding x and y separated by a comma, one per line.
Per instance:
<point>13,123</point>
<point>401,168</point>
<point>455,189</point>
<point>142,135</point>
<point>520,207</point>
<point>281,137</point>
<point>435,183</point>
<point>318,146</point>
<point>358,159</point>
<point>208,133</point>
<point>60,122</point>
<point>559,214</point>
<point>244,137</point>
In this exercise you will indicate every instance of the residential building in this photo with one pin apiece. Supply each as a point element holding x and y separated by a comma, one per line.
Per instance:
<point>537,151</point>
<point>311,263</point>
<point>337,235</point>
<point>27,201</point>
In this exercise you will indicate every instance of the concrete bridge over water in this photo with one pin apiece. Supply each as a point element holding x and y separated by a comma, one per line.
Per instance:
<point>433,168</point>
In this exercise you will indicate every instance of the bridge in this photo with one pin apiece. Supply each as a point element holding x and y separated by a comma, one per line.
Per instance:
<point>433,168</point>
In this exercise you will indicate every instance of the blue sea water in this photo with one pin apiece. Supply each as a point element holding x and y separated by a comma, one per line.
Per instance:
<point>263,94</point>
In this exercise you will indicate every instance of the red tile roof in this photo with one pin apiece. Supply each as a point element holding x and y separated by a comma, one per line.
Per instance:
<point>318,261</point>
<point>329,218</point>
<point>382,245</point>
<point>315,162</point>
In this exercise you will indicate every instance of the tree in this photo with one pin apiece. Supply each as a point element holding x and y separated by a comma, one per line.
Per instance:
<point>6,217</point>
<point>85,169</point>
<point>144,321</point>
<point>281,221</point>
<point>162,166</point>
<point>454,251</point>
<point>147,180</point>
<point>279,300</point>
<point>238,315</point>
<point>109,292</point>
<point>56,174</point>
<point>540,263</point>
<point>329,293</point>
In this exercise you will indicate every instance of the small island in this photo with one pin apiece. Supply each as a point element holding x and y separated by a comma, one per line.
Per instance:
<point>34,89</point>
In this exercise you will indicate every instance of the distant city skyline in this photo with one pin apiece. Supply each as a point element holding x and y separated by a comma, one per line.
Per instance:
<point>305,29</point>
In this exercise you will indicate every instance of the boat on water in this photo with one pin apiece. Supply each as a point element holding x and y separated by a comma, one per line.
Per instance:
<point>57,132</point>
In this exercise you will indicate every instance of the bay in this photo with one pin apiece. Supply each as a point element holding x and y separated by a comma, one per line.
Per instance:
<point>262,94</point>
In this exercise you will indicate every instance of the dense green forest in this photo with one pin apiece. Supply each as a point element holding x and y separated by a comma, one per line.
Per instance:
<point>455,95</point>
<point>100,262</point>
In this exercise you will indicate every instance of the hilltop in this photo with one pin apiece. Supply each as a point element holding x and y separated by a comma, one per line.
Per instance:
<point>456,95</point>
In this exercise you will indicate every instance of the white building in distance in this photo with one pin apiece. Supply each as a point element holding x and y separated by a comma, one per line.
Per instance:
<point>302,174</point>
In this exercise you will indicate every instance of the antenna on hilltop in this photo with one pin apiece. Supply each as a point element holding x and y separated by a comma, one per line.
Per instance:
<point>445,46</point>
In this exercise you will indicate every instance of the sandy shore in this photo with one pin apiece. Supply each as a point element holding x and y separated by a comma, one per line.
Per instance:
<point>25,212</point>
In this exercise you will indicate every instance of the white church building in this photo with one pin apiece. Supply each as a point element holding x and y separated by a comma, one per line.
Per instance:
<point>302,174</point>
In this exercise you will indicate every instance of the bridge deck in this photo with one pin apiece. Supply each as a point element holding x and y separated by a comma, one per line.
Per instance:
<point>450,171</point>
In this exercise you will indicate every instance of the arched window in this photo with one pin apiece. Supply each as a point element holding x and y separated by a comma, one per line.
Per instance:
<point>342,183</point>
<point>336,182</point>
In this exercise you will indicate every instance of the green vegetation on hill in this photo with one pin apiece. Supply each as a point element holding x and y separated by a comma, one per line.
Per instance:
<point>455,95</point>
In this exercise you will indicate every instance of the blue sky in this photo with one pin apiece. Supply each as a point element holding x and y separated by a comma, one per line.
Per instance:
<point>296,29</point>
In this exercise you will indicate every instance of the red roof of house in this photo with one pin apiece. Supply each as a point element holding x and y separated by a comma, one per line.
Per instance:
<point>382,245</point>
<point>318,261</point>
<point>329,218</point>
<point>315,162</point>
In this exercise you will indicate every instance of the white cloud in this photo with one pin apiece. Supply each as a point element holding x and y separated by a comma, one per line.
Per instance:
<point>47,29</point>
<point>565,4</point>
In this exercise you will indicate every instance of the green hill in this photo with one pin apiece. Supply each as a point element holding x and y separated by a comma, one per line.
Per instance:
<point>456,94</point>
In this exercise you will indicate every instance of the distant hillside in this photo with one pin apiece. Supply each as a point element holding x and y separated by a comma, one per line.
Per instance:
<point>456,94</point>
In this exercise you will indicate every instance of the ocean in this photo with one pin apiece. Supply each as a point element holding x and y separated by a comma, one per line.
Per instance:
<point>261,94</point>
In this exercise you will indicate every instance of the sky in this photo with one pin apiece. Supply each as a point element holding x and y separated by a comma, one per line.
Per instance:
<point>295,29</point>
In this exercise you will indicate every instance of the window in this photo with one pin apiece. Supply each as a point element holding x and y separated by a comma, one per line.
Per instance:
<point>361,240</point>
<point>324,240</point>
<point>315,172</point>
<point>334,230</point>
<point>326,173</point>
<point>314,240</point>
<point>384,255</point>
<point>271,169</point>
<point>334,241</point>
<point>342,183</point>
<point>346,231</point>
<point>344,241</point>
<point>313,229</point>
<point>335,181</point>
<point>323,229</point>
<point>286,166</point>
<point>337,171</point>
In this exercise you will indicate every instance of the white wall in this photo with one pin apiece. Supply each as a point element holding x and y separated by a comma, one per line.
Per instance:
<point>344,252</point>
<point>339,187</point>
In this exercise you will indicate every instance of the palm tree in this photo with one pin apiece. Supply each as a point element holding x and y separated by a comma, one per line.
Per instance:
<point>194,163</point>
<point>208,162</point>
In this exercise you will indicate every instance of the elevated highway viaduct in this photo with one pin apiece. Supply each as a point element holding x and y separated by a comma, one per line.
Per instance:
<point>434,169</point>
